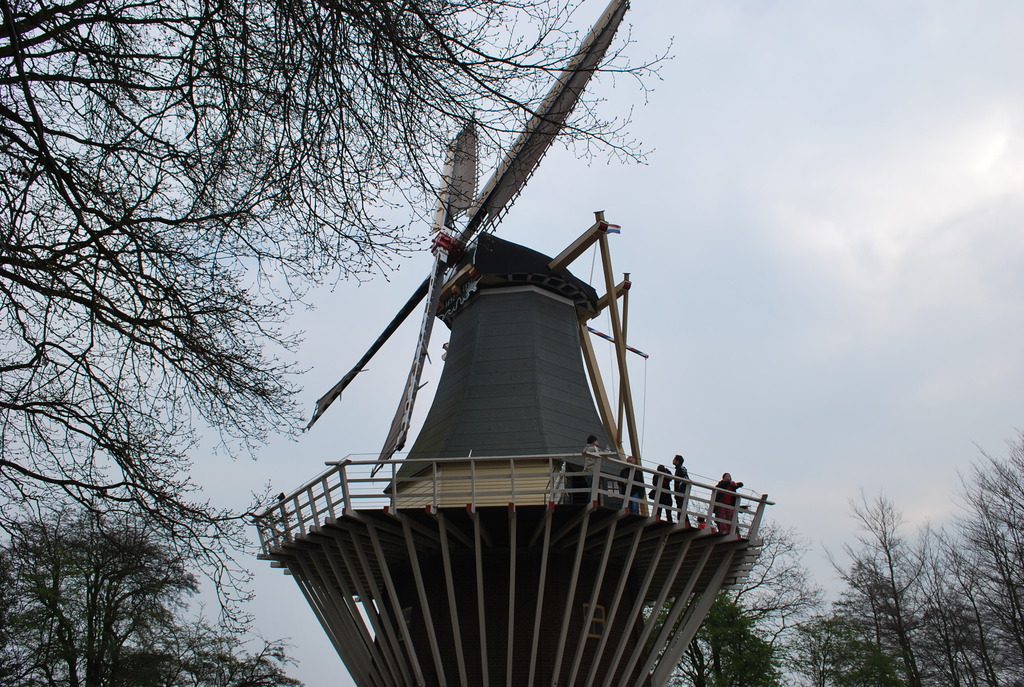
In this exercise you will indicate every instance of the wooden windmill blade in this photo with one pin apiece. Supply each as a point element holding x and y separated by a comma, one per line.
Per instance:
<point>459,185</point>
<point>459,188</point>
<point>511,176</point>
<point>525,155</point>
<point>327,399</point>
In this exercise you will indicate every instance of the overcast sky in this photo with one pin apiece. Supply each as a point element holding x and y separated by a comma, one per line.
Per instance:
<point>826,247</point>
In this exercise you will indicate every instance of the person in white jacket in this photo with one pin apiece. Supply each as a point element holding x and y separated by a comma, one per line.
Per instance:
<point>592,456</point>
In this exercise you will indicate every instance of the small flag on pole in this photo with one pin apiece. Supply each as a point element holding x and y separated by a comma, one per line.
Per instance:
<point>614,228</point>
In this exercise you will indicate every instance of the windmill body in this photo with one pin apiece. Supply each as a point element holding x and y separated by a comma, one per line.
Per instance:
<point>514,381</point>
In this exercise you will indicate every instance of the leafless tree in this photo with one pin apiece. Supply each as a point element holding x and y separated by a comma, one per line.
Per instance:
<point>991,547</point>
<point>884,581</point>
<point>953,639</point>
<point>175,175</point>
<point>987,652</point>
<point>779,592</point>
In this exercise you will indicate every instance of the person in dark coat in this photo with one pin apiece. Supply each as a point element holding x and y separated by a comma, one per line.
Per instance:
<point>633,481</point>
<point>725,500</point>
<point>682,488</point>
<point>661,494</point>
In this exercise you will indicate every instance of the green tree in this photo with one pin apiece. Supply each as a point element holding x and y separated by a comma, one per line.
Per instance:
<point>828,651</point>
<point>10,666</point>
<point>744,636</point>
<point>729,651</point>
<point>96,601</point>
<point>176,174</point>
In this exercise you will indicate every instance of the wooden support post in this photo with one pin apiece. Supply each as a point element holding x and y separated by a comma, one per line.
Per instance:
<point>453,607</point>
<point>389,585</point>
<point>513,547</point>
<point>478,541</point>
<point>625,338</point>
<point>604,408</point>
<point>620,348</point>
<point>592,604</point>
<point>613,609</point>
<point>541,581</point>
<point>421,590</point>
<point>684,634</point>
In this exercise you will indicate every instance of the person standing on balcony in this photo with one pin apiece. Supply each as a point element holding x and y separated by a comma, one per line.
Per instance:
<point>633,483</point>
<point>592,456</point>
<point>682,489</point>
<point>661,494</point>
<point>725,499</point>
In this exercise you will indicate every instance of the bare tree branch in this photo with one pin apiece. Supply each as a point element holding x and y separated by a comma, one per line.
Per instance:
<point>176,174</point>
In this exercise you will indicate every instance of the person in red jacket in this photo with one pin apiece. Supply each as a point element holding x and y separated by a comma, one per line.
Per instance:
<point>725,500</point>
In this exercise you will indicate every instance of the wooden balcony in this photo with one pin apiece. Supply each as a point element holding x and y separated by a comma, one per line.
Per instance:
<point>507,570</point>
<point>476,482</point>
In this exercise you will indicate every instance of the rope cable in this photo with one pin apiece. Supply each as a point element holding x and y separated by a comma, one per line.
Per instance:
<point>643,412</point>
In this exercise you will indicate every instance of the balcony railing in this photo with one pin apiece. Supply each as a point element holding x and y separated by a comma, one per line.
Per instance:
<point>349,486</point>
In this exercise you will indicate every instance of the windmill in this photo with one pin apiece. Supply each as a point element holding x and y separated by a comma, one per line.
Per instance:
<point>518,165</point>
<point>494,553</point>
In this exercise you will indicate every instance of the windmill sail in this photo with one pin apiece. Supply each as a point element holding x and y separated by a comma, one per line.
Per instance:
<point>459,179</point>
<point>327,399</point>
<point>459,187</point>
<point>523,157</point>
<point>516,168</point>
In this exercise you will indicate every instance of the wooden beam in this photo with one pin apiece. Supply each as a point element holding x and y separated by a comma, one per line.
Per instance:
<point>647,633</point>
<point>389,585</point>
<point>457,280</point>
<point>595,591</point>
<point>604,408</point>
<point>620,351</point>
<point>421,592</point>
<point>542,579</point>
<point>512,547</point>
<point>695,614</point>
<point>453,607</point>
<point>611,614</point>
<point>580,245</point>
<point>639,602</point>
<point>622,393</point>
<point>570,598</point>
<point>481,607</point>
<point>388,620</point>
<point>620,290</point>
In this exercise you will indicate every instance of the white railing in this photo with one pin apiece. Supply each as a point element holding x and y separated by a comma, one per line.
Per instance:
<point>349,486</point>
